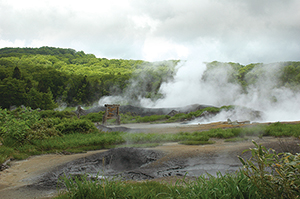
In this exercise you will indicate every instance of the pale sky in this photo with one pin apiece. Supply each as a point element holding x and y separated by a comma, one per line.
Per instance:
<point>244,31</point>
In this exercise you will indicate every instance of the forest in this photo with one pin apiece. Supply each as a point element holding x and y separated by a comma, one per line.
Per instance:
<point>48,77</point>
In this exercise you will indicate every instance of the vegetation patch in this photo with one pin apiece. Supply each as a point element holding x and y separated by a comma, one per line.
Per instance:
<point>195,142</point>
<point>237,139</point>
<point>206,186</point>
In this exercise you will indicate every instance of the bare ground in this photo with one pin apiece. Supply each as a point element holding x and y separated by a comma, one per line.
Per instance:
<point>24,179</point>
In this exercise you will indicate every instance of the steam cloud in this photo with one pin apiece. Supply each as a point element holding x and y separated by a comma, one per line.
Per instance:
<point>188,87</point>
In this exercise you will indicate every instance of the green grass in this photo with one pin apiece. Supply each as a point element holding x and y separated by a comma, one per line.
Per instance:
<point>237,139</point>
<point>194,142</point>
<point>144,145</point>
<point>282,130</point>
<point>222,186</point>
<point>129,118</point>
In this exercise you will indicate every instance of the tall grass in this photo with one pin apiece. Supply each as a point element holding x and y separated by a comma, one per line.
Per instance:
<point>222,186</point>
<point>77,140</point>
<point>280,130</point>
<point>129,118</point>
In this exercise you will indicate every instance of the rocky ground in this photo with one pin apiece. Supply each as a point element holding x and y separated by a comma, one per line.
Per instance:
<point>37,176</point>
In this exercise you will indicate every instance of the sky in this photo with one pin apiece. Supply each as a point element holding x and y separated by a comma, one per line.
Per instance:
<point>243,31</point>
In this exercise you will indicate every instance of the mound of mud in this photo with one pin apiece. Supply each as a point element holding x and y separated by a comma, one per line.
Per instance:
<point>114,162</point>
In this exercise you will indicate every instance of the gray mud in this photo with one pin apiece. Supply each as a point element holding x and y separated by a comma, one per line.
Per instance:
<point>121,163</point>
<point>140,164</point>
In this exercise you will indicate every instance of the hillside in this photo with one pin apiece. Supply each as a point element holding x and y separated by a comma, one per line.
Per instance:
<point>49,77</point>
<point>43,77</point>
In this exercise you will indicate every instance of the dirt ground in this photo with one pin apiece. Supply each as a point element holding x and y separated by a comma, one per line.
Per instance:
<point>171,161</point>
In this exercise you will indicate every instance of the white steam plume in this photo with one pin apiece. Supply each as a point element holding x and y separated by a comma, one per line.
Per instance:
<point>277,103</point>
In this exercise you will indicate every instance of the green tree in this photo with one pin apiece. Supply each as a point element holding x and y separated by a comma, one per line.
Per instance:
<point>36,99</point>
<point>16,73</point>
<point>12,92</point>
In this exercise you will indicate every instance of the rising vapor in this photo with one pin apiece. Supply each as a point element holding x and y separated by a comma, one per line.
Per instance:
<point>196,83</point>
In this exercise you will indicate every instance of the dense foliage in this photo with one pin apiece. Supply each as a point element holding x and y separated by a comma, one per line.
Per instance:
<point>43,77</point>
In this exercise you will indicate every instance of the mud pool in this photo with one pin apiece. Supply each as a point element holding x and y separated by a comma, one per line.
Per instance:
<point>169,160</point>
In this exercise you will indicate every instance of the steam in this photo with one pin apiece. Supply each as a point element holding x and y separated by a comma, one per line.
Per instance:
<point>144,84</point>
<point>189,88</point>
<point>193,84</point>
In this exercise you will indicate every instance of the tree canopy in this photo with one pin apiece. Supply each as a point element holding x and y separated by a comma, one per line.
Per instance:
<point>64,75</point>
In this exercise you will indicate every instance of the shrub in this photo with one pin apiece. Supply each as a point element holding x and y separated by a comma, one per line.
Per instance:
<point>16,124</point>
<point>68,126</point>
<point>94,117</point>
<point>275,175</point>
<point>44,129</point>
<point>58,114</point>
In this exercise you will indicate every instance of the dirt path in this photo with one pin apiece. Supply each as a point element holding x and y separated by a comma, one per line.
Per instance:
<point>26,172</point>
<point>179,159</point>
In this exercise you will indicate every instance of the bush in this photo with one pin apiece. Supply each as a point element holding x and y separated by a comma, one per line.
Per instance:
<point>58,114</point>
<point>68,126</point>
<point>94,117</point>
<point>15,125</point>
<point>44,129</point>
<point>275,175</point>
